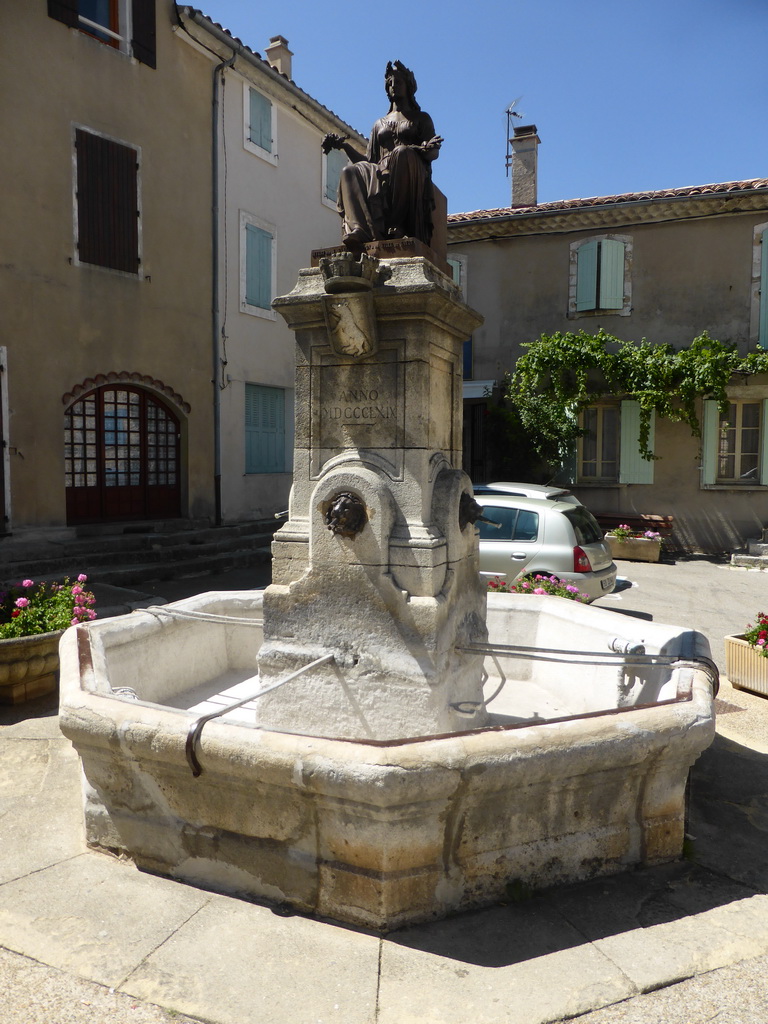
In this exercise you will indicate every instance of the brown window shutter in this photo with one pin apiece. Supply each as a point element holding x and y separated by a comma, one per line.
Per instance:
<point>144,43</point>
<point>107,203</point>
<point>64,10</point>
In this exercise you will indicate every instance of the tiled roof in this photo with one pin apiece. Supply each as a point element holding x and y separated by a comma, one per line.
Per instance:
<point>195,13</point>
<point>720,188</point>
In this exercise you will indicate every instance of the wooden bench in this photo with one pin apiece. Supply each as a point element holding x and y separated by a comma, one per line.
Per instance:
<point>636,521</point>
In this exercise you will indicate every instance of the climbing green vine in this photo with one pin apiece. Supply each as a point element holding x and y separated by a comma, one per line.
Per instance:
<point>561,374</point>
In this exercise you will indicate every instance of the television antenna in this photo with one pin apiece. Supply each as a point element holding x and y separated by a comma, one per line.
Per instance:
<point>511,112</point>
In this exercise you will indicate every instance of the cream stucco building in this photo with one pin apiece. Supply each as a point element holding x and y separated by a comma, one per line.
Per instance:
<point>163,183</point>
<point>664,266</point>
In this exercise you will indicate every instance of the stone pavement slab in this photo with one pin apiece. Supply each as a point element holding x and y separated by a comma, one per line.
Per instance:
<point>31,993</point>
<point>238,963</point>
<point>93,915</point>
<point>733,995</point>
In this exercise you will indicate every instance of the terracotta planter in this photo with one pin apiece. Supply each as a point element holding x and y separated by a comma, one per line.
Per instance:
<point>744,667</point>
<point>634,549</point>
<point>29,667</point>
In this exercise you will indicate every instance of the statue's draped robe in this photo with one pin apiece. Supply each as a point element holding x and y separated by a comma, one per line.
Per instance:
<point>389,194</point>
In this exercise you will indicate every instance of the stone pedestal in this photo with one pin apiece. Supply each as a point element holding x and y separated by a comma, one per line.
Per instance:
<point>392,587</point>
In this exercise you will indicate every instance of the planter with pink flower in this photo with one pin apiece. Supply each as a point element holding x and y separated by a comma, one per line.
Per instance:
<point>634,545</point>
<point>32,618</point>
<point>538,584</point>
<point>746,657</point>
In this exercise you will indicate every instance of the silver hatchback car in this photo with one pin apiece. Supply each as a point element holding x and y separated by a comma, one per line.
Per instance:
<point>541,536</point>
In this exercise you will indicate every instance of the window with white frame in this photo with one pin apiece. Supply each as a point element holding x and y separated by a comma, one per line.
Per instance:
<point>257,266</point>
<point>609,451</point>
<point>260,124</point>
<point>734,452</point>
<point>599,445</point>
<point>333,162</point>
<point>759,327</point>
<point>264,429</point>
<point>126,25</point>
<point>600,279</point>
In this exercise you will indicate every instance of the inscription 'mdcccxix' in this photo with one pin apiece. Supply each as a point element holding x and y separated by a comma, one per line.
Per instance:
<point>359,413</point>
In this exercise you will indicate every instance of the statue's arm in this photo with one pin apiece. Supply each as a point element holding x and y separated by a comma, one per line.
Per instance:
<point>333,141</point>
<point>431,143</point>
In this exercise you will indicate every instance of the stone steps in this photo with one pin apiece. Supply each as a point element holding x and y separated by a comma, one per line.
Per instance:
<point>136,555</point>
<point>756,555</point>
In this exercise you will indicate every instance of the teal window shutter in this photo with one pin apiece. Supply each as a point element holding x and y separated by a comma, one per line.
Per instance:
<point>611,274</point>
<point>260,133</point>
<point>258,267</point>
<point>633,468</point>
<point>334,162</point>
<point>762,338</point>
<point>586,275</point>
<point>264,429</point>
<point>710,442</point>
<point>763,465</point>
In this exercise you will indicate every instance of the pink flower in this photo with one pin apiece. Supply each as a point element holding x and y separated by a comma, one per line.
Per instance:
<point>761,643</point>
<point>539,590</point>
<point>82,578</point>
<point>21,602</point>
<point>77,590</point>
<point>27,583</point>
<point>571,589</point>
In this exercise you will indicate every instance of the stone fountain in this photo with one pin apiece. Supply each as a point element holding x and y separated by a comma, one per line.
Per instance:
<point>369,739</point>
<point>374,782</point>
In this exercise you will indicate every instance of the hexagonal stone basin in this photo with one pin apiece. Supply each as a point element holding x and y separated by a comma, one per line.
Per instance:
<point>581,770</point>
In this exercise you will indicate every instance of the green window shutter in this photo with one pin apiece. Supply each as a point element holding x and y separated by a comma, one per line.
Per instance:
<point>258,267</point>
<point>586,275</point>
<point>264,429</point>
<point>455,266</point>
<point>611,274</point>
<point>762,338</point>
<point>764,443</point>
<point>334,162</point>
<point>633,468</point>
<point>710,442</point>
<point>261,121</point>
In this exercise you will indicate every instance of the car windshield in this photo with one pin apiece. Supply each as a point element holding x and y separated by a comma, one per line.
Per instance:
<point>514,524</point>
<point>585,526</point>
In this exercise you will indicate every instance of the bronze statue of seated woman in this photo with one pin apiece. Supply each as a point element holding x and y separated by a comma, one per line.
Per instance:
<point>387,193</point>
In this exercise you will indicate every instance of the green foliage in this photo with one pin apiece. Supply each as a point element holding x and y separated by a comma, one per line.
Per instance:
<point>561,374</point>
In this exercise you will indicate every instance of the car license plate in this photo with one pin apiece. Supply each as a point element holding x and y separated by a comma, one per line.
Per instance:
<point>606,583</point>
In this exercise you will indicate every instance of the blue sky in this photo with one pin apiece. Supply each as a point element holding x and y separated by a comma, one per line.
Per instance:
<point>626,96</point>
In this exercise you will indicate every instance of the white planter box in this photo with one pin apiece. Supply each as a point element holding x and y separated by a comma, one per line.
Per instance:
<point>744,667</point>
<point>634,549</point>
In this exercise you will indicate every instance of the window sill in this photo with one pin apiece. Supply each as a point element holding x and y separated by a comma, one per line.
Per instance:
<point>574,314</point>
<point>265,314</point>
<point>263,154</point>
<point>734,487</point>
<point>598,483</point>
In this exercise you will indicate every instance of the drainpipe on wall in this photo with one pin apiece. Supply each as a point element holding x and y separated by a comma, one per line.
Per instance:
<point>218,77</point>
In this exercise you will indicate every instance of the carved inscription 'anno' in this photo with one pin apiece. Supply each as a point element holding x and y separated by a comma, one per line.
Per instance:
<point>366,408</point>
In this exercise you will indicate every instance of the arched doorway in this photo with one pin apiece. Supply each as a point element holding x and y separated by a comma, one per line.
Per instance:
<point>121,453</point>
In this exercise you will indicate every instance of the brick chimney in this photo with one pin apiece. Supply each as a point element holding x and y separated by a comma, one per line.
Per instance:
<point>279,56</point>
<point>525,160</point>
